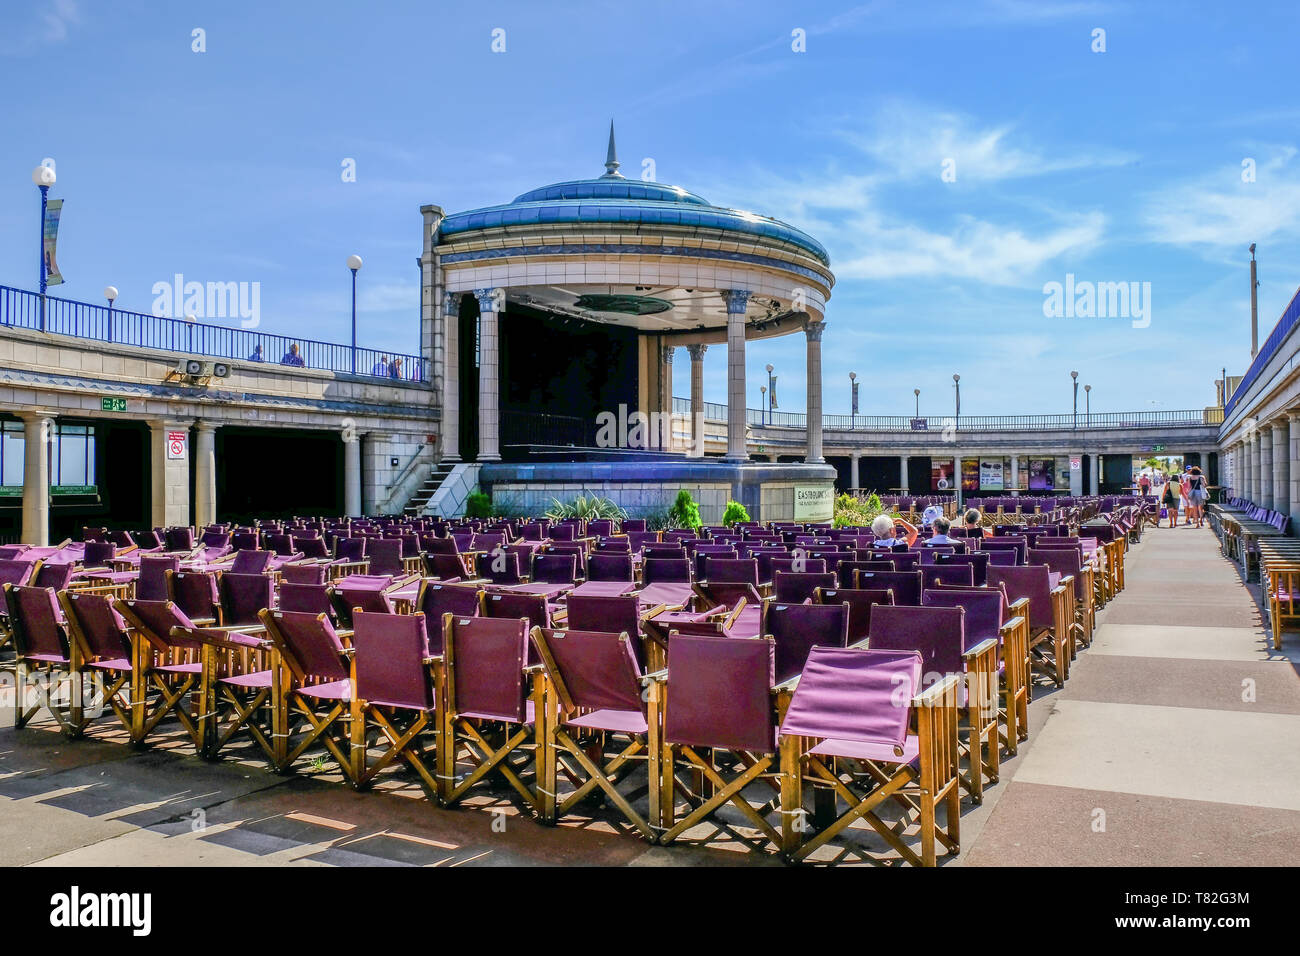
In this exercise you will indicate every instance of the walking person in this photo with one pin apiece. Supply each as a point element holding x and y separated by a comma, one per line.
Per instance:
<point>1170,498</point>
<point>1197,493</point>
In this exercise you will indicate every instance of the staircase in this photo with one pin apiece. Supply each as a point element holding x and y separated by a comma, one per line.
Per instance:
<point>427,490</point>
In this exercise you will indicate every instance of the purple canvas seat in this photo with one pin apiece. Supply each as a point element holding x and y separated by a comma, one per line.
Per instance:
<point>978,562</point>
<point>314,668</point>
<point>847,570</point>
<point>637,540</point>
<point>792,587</point>
<point>303,573</point>
<point>484,669</point>
<point>243,596</point>
<point>234,690</point>
<point>196,594</point>
<point>364,591</point>
<point>1017,544</point>
<point>666,571</point>
<point>385,556</point>
<point>306,598</point>
<point>250,562</point>
<point>600,528</point>
<point>1068,563</point>
<point>847,706</point>
<point>500,566</point>
<point>962,575</point>
<point>798,627</point>
<point>609,567</point>
<point>179,539</point>
<point>632,525</point>
<point>620,545</point>
<point>245,540</point>
<point>438,599</point>
<point>906,585</point>
<point>443,567</point>
<point>395,688</point>
<point>1048,643</point>
<point>860,602</point>
<point>102,646</point>
<point>555,568</point>
<point>797,565</point>
<point>701,671</point>
<point>602,720</point>
<point>152,583</point>
<point>41,646</point>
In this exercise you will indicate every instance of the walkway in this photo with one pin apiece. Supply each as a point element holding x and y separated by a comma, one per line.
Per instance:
<point>1175,740</point>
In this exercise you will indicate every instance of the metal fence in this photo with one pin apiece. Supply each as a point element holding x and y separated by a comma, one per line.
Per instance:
<point>1179,418</point>
<point>22,309</point>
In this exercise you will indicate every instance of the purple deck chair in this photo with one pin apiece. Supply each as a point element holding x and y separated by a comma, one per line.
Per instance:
<point>41,645</point>
<point>385,556</point>
<point>243,596</point>
<point>703,670</point>
<point>171,665</point>
<point>437,600</point>
<point>1068,563</point>
<point>794,565</point>
<point>152,583</point>
<point>443,567</point>
<point>630,525</point>
<point>250,562</point>
<point>609,567</point>
<point>795,588</point>
<point>302,573</point>
<point>103,646</point>
<point>500,566</point>
<point>395,684</point>
<point>847,705</point>
<point>318,685</point>
<point>179,539</point>
<point>961,575</point>
<point>197,596</point>
<point>1017,544</point>
<point>1048,637</point>
<point>847,570</point>
<point>484,671</point>
<point>602,720</point>
<point>860,602</point>
<point>365,591</point>
<point>555,568</point>
<point>306,598</point>
<point>614,545</point>
<point>55,576</point>
<point>978,561</point>
<point>906,585</point>
<point>798,627</point>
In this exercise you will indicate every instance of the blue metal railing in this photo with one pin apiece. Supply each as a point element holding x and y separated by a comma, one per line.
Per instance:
<point>22,309</point>
<point>1068,421</point>
<point>1290,316</point>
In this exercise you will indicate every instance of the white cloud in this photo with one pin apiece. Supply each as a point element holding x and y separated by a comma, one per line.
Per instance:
<point>46,24</point>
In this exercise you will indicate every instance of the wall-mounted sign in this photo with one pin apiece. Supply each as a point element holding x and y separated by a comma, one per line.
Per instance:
<point>176,442</point>
<point>813,503</point>
<point>1076,463</point>
<point>991,474</point>
<point>112,404</point>
<point>74,489</point>
<point>970,474</point>
<point>941,474</point>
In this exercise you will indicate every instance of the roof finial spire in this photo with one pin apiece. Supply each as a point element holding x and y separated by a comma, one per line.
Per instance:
<point>611,155</point>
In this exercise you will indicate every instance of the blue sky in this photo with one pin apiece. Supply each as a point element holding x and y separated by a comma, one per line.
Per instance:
<point>1115,166</point>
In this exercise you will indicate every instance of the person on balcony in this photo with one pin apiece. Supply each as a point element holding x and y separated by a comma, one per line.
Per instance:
<point>257,354</point>
<point>380,368</point>
<point>292,357</point>
<point>395,368</point>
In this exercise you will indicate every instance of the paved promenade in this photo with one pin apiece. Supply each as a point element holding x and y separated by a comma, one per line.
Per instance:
<point>1175,741</point>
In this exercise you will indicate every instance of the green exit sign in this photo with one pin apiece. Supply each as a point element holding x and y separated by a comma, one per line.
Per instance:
<point>112,404</point>
<point>1158,448</point>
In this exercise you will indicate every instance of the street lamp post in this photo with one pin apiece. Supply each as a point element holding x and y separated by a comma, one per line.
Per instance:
<point>771,394</point>
<point>1087,406</point>
<point>354,263</point>
<point>43,177</point>
<point>1075,377</point>
<point>917,393</point>
<point>956,384</point>
<point>762,403</point>
<point>110,293</point>
<point>853,399</point>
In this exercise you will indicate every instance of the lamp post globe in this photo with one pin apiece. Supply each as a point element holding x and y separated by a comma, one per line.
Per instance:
<point>43,176</point>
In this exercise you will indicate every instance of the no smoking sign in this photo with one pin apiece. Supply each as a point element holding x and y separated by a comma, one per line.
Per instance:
<point>176,444</point>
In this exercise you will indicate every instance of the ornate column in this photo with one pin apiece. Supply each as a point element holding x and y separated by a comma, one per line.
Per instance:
<point>489,385</point>
<point>902,474</point>
<point>450,378</point>
<point>737,301</point>
<point>813,331</point>
<point>1293,467</point>
<point>1015,476</point>
<point>1265,465</point>
<point>854,479</point>
<point>351,472</point>
<point>665,431</point>
<point>1094,474</point>
<point>38,433</point>
<point>697,399</point>
<point>205,474</point>
<point>1281,466</point>
<point>1256,489</point>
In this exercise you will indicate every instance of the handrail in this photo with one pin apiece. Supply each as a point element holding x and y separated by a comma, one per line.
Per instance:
<point>20,308</point>
<point>1190,417</point>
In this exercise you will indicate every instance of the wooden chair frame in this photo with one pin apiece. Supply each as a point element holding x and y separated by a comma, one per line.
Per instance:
<point>921,790</point>
<point>170,688</point>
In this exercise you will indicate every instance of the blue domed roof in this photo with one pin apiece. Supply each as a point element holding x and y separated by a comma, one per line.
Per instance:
<point>612,198</point>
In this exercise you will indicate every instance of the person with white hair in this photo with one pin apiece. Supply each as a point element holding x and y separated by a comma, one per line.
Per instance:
<point>891,531</point>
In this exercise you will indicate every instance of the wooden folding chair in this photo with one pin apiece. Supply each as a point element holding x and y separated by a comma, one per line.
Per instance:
<point>169,669</point>
<point>489,702</point>
<point>1283,599</point>
<point>822,745</point>
<point>602,721</point>
<point>45,672</point>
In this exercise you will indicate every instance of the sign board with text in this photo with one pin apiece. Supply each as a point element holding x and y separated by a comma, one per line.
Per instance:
<point>814,502</point>
<point>176,442</point>
<point>112,404</point>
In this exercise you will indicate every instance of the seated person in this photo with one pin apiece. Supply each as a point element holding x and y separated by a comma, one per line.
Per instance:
<point>971,519</point>
<point>891,531</point>
<point>940,536</point>
<point>292,357</point>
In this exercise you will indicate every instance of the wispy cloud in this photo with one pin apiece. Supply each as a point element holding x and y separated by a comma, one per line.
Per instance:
<point>31,28</point>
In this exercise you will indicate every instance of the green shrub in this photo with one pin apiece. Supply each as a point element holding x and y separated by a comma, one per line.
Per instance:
<point>478,505</point>
<point>734,512</point>
<point>857,512</point>
<point>685,513</point>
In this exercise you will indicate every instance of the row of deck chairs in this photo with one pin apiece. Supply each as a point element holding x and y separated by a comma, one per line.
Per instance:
<point>1240,523</point>
<point>878,704</point>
